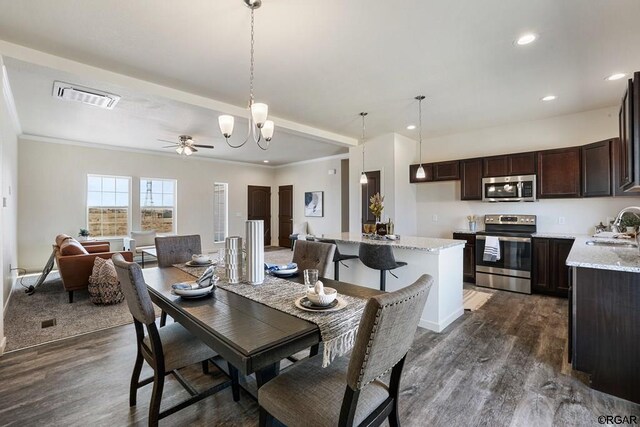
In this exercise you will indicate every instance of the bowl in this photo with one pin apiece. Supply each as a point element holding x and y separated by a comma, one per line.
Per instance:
<point>322,300</point>
<point>200,259</point>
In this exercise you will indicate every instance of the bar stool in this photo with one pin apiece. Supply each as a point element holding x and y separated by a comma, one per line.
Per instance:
<point>337,258</point>
<point>379,257</point>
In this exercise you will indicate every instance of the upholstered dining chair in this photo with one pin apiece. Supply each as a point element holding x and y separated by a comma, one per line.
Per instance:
<point>309,392</point>
<point>165,349</point>
<point>176,249</point>
<point>379,257</point>
<point>309,254</point>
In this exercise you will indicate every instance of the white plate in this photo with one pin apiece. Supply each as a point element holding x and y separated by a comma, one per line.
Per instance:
<point>341,304</point>
<point>288,272</point>
<point>193,293</point>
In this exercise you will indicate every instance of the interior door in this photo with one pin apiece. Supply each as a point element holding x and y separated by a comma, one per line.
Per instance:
<point>285,215</point>
<point>259,199</point>
<point>369,189</point>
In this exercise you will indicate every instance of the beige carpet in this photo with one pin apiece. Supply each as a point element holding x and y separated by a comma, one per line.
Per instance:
<point>25,314</point>
<point>473,300</point>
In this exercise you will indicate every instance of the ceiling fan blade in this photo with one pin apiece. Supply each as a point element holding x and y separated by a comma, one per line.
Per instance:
<point>194,150</point>
<point>202,146</point>
<point>164,140</point>
<point>171,146</point>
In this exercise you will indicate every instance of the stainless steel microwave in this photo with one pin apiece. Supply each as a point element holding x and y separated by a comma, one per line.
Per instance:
<point>521,188</point>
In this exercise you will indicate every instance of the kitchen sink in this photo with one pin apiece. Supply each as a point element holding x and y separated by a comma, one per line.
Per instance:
<point>611,244</point>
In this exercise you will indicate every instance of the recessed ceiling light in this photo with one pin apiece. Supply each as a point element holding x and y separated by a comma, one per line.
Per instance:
<point>526,39</point>
<point>615,76</point>
<point>549,98</point>
<point>265,161</point>
<point>411,127</point>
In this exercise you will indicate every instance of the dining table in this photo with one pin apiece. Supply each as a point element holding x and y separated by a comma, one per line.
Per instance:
<point>249,335</point>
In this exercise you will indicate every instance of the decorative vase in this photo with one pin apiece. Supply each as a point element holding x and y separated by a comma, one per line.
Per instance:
<point>381,228</point>
<point>472,226</point>
<point>255,251</point>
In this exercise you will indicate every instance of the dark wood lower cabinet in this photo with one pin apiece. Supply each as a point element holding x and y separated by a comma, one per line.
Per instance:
<point>605,330</point>
<point>550,274</point>
<point>469,260</point>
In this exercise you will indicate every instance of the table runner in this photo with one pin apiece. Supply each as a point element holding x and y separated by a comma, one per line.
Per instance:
<point>337,329</point>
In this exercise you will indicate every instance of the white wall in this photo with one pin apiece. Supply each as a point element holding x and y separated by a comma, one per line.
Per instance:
<point>8,191</point>
<point>52,184</point>
<point>311,176</point>
<point>581,215</point>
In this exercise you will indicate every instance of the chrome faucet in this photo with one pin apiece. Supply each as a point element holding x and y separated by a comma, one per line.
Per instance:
<point>615,226</point>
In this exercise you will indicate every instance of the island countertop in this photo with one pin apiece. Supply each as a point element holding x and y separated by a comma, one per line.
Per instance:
<point>429,244</point>
<point>603,257</point>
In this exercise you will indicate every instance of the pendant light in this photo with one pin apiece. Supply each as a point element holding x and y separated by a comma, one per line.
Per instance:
<point>420,174</point>
<point>363,176</point>
<point>259,128</point>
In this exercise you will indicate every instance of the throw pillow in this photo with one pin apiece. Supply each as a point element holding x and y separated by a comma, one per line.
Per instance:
<point>104,287</point>
<point>72,247</point>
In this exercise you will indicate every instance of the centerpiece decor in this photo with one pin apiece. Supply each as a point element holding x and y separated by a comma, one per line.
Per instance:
<point>376,207</point>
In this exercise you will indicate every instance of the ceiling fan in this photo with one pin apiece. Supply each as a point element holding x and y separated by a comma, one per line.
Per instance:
<point>185,145</point>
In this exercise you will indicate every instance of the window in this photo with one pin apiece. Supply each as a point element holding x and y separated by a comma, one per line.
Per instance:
<point>220,217</point>
<point>108,205</point>
<point>158,205</point>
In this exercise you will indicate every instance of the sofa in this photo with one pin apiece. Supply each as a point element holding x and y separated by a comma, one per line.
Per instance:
<point>75,260</point>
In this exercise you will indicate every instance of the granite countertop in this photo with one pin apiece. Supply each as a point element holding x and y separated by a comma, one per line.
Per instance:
<point>559,235</point>
<point>604,257</point>
<point>428,244</point>
<point>466,231</point>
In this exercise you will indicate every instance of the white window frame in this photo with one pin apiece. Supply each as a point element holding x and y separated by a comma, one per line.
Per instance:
<point>174,229</point>
<point>215,211</point>
<point>129,206</point>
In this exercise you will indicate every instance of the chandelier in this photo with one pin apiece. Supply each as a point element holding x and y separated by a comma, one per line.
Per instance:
<point>363,176</point>
<point>420,174</point>
<point>259,128</point>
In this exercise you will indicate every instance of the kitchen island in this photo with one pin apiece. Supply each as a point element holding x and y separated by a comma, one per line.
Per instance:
<point>604,315</point>
<point>441,258</point>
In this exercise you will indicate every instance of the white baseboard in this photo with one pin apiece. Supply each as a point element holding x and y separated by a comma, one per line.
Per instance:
<point>441,325</point>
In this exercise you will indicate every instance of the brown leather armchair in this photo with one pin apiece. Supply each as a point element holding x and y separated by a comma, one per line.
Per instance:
<point>75,261</point>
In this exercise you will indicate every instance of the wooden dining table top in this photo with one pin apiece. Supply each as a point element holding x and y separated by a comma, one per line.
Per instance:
<point>246,333</point>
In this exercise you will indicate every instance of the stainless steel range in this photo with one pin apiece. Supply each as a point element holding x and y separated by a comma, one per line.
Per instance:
<point>510,271</point>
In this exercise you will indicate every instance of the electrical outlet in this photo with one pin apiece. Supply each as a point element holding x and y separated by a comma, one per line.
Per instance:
<point>561,220</point>
<point>434,218</point>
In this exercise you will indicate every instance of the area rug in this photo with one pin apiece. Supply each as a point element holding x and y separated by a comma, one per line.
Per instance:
<point>23,322</point>
<point>473,299</point>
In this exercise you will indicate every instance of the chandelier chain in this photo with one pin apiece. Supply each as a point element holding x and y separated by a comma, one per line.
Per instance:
<point>251,68</point>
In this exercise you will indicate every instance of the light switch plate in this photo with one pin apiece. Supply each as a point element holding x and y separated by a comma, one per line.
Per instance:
<point>434,218</point>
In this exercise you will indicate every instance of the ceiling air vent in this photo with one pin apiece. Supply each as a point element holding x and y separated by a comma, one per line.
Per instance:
<point>94,97</point>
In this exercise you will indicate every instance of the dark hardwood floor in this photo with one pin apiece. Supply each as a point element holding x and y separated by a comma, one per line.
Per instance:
<point>502,365</point>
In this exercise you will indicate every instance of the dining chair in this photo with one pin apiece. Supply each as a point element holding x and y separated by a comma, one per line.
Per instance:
<point>309,254</point>
<point>177,249</point>
<point>165,349</point>
<point>338,258</point>
<point>379,257</point>
<point>306,391</point>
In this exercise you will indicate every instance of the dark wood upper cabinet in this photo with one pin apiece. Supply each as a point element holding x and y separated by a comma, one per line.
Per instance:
<point>428,170</point>
<point>496,166</point>
<point>559,173</point>
<point>511,164</point>
<point>522,164</point>
<point>616,175</point>
<point>629,127</point>
<point>471,176</point>
<point>596,169</point>
<point>446,171</point>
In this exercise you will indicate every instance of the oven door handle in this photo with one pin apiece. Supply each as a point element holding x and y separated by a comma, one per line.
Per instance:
<point>507,239</point>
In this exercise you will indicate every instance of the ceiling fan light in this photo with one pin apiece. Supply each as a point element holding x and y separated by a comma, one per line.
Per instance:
<point>420,174</point>
<point>267,130</point>
<point>226,125</point>
<point>179,150</point>
<point>363,178</point>
<point>188,151</point>
<point>259,112</point>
